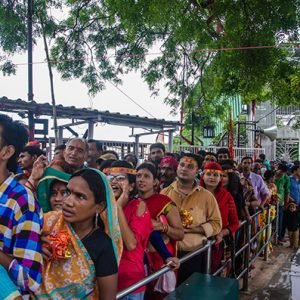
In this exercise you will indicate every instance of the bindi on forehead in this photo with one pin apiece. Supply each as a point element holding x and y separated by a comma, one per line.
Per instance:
<point>188,161</point>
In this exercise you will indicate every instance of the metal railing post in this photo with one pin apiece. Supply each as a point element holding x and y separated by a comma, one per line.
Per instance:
<point>277,224</point>
<point>247,256</point>
<point>208,257</point>
<point>233,258</point>
<point>268,235</point>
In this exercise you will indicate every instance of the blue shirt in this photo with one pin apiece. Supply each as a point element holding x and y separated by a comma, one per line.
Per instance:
<point>20,229</point>
<point>295,189</point>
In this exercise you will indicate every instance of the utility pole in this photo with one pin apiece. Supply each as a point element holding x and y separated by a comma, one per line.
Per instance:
<point>30,75</point>
<point>193,126</point>
<point>182,100</point>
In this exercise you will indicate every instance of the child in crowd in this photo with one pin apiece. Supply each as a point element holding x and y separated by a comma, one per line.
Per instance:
<point>292,224</point>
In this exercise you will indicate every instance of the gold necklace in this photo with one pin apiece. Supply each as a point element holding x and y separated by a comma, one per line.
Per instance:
<point>183,193</point>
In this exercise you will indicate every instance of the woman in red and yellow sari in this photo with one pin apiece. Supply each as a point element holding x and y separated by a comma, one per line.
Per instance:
<point>83,243</point>
<point>165,218</point>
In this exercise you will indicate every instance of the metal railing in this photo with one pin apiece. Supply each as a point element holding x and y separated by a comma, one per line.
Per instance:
<point>248,260</point>
<point>239,152</point>
<point>120,147</point>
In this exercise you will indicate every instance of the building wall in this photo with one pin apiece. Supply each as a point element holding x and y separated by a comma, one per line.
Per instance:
<point>236,108</point>
<point>265,114</point>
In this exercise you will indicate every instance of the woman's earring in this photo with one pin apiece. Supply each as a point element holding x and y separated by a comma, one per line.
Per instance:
<point>96,220</point>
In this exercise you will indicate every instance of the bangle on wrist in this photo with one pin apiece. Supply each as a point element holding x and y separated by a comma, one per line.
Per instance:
<point>165,228</point>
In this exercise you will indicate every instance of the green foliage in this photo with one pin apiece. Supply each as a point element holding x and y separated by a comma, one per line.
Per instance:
<point>280,122</point>
<point>12,29</point>
<point>8,68</point>
<point>296,125</point>
<point>12,34</point>
<point>187,26</point>
<point>98,41</point>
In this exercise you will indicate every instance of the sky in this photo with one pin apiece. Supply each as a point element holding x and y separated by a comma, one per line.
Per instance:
<point>74,93</point>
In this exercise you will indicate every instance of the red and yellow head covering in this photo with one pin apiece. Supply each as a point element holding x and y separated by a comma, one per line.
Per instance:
<point>169,160</point>
<point>212,167</point>
<point>119,170</point>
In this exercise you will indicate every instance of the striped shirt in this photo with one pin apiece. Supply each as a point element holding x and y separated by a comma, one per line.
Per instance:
<point>21,221</point>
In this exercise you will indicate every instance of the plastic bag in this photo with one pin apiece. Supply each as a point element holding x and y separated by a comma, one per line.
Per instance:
<point>166,283</point>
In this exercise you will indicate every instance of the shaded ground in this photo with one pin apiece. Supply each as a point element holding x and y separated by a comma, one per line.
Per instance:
<point>270,280</point>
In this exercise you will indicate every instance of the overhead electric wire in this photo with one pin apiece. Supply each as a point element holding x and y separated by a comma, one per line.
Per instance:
<point>131,99</point>
<point>276,107</point>
<point>162,53</point>
<point>155,53</point>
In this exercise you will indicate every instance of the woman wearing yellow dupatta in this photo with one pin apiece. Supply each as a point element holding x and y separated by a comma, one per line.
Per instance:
<point>83,262</point>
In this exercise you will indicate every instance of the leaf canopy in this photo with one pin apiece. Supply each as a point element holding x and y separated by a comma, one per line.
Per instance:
<point>98,41</point>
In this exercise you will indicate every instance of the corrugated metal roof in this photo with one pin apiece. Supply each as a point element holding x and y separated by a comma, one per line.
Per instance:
<point>71,112</point>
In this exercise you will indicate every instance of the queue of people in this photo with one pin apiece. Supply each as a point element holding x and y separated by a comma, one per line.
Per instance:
<point>88,224</point>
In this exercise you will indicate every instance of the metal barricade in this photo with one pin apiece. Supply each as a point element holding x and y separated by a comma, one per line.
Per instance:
<point>239,152</point>
<point>248,261</point>
<point>165,269</point>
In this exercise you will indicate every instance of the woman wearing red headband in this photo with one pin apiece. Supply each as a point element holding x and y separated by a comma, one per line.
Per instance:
<point>212,181</point>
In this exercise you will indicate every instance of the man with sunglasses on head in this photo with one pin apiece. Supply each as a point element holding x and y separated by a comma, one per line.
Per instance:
<point>199,212</point>
<point>21,217</point>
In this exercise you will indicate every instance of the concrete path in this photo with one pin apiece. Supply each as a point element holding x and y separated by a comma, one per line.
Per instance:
<point>271,280</point>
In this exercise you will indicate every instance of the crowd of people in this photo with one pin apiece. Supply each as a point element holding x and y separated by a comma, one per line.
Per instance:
<point>88,224</point>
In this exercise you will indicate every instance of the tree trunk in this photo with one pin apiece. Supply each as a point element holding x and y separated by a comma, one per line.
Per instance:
<point>51,83</point>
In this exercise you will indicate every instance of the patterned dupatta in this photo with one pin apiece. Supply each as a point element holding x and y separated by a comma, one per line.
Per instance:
<point>75,277</point>
<point>110,218</point>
